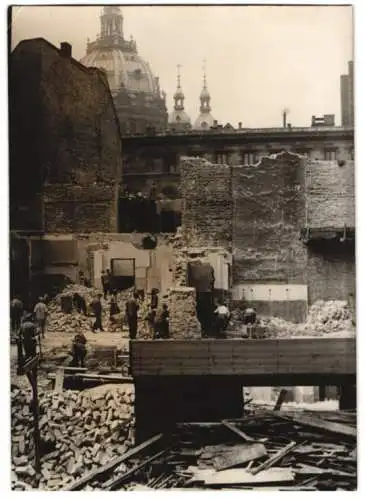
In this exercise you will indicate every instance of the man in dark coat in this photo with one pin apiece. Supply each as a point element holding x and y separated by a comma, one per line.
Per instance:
<point>97,309</point>
<point>28,336</point>
<point>131,312</point>
<point>16,312</point>
<point>162,322</point>
<point>79,350</point>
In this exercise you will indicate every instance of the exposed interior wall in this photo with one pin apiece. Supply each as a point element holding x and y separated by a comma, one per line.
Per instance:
<point>330,194</point>
<point>267,217</point>
<point>331,270</point>
<point>207,203</point>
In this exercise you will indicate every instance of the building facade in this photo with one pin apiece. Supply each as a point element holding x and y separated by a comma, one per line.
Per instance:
<point>139,101</point>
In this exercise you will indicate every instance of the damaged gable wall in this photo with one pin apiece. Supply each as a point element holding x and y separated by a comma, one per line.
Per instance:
<point>67,149</point>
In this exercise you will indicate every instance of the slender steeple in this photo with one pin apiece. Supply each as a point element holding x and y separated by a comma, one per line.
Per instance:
<point>111,22</point>
<point>204,94</point>
<point>179,120</point>
<point>205,119</point>
<point>179,96</point>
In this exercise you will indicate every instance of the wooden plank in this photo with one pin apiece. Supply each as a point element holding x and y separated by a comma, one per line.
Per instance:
<point>112,464</point>
<point>241,476</point>
<point>240,433</point>
<point>280,400</point>
<point>333,427</point>
<point>275,458</point>
<point>239,455</point>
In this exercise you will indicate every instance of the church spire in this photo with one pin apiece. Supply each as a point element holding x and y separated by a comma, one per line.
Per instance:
<point>179,96</point>
<point>204,94</point>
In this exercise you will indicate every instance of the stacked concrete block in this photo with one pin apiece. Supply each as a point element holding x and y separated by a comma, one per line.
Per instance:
<point>330,194</point>
<point>184,323</point>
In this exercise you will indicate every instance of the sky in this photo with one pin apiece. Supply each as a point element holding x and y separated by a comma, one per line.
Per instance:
<point>259,59</point>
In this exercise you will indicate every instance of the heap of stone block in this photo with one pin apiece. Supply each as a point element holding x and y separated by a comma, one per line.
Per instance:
<point>79,432</point>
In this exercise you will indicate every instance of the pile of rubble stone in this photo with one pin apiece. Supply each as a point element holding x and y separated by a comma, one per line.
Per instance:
<point>324,318</point>
<point>59,321</point>
<point>80,431</point>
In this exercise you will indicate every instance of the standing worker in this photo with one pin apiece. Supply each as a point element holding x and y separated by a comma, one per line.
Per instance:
<point>41,312</point>
<point>28,336</point>
<point>162,322</point>
<point>114,308</point>
<point>97,309</point>
<point>249,316</point>
<point>150,320</point>
<point>154,298</point>
<point>16,312</point>
<point>105,282</point>
<point>131,311</point>
<point>79,350</point>
<point>222,316</point>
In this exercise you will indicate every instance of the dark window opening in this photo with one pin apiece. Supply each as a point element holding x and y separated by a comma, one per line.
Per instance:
<point>123,273</point>
<point>140,214</point>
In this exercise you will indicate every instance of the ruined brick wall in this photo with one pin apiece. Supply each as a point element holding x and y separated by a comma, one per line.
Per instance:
<point>76,131</point>
<point>70,208</point>
<point>268,214</point>
<point>331,270</point>
<point>207,203</point>
<point>330,195</point>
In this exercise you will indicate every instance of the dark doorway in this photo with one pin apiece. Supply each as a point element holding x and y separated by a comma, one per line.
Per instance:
<point>123,273</point>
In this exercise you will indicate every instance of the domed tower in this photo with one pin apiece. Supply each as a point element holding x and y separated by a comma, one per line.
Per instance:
<point>205,120</point>
<point>179,119</point>
<point>139,102</point>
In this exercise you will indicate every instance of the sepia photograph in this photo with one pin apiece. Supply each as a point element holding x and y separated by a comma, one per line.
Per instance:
<point>182,286</point>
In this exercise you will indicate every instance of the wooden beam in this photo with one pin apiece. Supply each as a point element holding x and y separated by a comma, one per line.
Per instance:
<point>319,423</point>
<point>112,484</point>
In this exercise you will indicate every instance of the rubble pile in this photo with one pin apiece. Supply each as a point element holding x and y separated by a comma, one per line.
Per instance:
<point>79,432</point>
<point>324,318</point>
<point>75,322</point>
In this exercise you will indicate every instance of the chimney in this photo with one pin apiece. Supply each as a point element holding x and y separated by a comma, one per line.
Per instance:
<point>284,119</point>
<point>239,125</point>
<point>66,49</point>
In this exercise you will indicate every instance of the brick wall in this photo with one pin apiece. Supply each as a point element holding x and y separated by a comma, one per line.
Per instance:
<point>331,271</point>
<point>268,215</point>
<point>330,194</point>
<point>206,191</point>
<point>75,132</point>
<point>70,208</point>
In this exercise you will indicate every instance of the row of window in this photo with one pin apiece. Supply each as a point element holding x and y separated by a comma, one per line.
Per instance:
<point>250,158</point>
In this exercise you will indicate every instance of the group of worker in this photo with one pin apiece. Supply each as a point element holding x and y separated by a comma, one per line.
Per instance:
<point>28,327</point>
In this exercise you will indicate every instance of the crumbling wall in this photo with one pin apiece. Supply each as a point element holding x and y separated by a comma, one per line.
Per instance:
<point>330,194</point>
<point>267,217</point>
<point>67,147</point>
<point>184,323</point>
<point>207,205</point>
